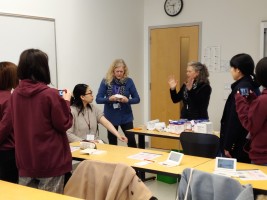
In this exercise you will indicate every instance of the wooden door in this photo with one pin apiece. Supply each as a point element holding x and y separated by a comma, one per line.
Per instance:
<point>170,51</point>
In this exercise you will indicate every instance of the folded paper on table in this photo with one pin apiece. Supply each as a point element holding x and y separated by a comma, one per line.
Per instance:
<point>92,151</point>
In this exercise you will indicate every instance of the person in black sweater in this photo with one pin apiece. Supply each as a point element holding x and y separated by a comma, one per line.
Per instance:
<point>233,136</point>
<point>195,92</point>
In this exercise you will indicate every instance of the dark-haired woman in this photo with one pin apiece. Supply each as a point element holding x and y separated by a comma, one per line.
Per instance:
<point>233,136</point>
<point>252,112</point>
<point>195,92</point>
<point>8,81</point>
<point>86,117</point>
<point>40,120</point>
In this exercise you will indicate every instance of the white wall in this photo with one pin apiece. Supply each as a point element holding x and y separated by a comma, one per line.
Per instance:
<point>90,35</point>
<point>233,25</point>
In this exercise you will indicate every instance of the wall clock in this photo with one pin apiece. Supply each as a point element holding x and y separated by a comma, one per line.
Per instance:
<point>173,7</point>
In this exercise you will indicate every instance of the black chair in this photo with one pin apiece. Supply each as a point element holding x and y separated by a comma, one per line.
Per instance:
<point>200,144</point>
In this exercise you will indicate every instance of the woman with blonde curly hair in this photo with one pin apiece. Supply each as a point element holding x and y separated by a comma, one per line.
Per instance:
<point>117,91</point>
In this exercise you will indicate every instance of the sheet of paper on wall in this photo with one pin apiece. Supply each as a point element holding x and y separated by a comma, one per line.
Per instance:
<point>254,174</point>
<point>144,156</point>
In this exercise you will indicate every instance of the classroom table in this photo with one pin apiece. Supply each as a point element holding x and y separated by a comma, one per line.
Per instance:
<point>260,185</point>
<point>143,132</point>
<point>12,191</point>
<point>119,154</point>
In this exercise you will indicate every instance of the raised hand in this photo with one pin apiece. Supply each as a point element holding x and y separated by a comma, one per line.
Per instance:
<point>172,82</point>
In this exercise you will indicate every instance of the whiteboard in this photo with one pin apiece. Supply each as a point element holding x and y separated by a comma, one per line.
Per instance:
<point>21,32</point>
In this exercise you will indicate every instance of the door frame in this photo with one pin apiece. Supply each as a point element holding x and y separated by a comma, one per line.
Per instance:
<point>150,28</point>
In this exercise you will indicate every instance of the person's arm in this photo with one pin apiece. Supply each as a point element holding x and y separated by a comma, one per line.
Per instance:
<point>247,111</point>
<point>71,136</point>
<point>172,82</point>
<point>234,130</point>
<point>101,97</point>
<point>6,122</point>
<point>60,112</point>
<point>177,97</point>
<point>135,99</point>
<point>112,129</point>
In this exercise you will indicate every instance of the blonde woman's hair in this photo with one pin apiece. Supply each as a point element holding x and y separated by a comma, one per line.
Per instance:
<point>113,66</point>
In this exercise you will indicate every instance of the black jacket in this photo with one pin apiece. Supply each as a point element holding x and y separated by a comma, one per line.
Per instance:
<point>195,101</point>
<point>233,134</point>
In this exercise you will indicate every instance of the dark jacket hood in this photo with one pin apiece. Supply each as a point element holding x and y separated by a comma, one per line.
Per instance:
<point>30,88</point>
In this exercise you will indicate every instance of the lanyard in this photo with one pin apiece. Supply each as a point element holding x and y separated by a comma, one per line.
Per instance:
<point>87,122</point>
<point>116,89</point>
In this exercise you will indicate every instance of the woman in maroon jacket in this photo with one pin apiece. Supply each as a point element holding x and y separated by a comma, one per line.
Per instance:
<point>41,118</point>
<point>252,112</point>
<point>8,80</point>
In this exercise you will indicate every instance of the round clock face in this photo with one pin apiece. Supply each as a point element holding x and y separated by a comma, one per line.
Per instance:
<point>173,7</point>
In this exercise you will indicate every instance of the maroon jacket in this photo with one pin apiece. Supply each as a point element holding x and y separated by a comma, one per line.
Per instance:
<point>6,133</point>
<point>40,121</point>
<point>252,113</point>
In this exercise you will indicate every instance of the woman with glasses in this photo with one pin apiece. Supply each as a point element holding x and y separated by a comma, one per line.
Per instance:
<point>117,91</point>
<point>86,117</point>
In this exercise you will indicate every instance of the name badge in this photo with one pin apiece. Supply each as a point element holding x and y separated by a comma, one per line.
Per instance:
<point>90,137</point>
<point>116,105</point>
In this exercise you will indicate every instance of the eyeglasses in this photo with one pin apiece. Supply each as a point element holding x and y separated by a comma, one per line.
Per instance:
<point>90,92</point>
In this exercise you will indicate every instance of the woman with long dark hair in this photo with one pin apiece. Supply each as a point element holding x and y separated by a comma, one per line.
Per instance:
<point>86,117</point>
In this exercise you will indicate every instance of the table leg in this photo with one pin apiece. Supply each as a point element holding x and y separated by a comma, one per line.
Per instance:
<point>142,145</point>
<point>141,142</point>
<point>142,176</point>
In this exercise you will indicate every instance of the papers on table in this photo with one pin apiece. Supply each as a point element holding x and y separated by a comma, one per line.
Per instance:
<point>142,163</point>
<point>245,175</point>
<point>144,156</point>
<point>92,151</point>
<point>253,174</point>
<point>147,158</point>
<point>72,149</point>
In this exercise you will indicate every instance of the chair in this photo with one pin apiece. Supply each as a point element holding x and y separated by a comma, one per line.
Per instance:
<point>96,180</point>
<point>196,184</point>
<point>200,144</point>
